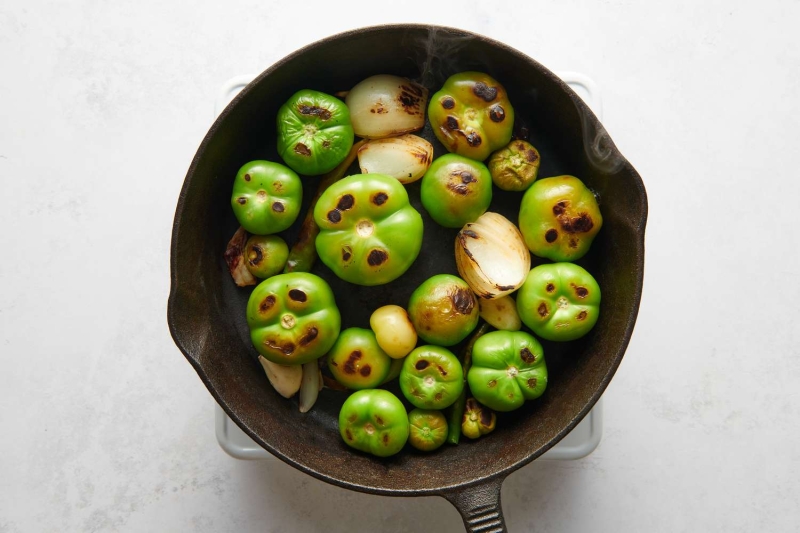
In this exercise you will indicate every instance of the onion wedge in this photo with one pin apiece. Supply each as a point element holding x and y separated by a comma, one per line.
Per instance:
<point>405,158</point>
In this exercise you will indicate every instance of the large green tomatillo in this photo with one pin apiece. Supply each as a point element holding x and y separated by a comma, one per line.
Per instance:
<point>356,360</point>
<point>471,115</point>
<point>266,197</point>
<point>369,233</point>
<point>374,421</point>
<point>431,377</point>
<point>293,318</point>
<point>314,132</point>
<point>507,369</point>
<point>559,301</point>
<point>559,218</point>
<point>443,310</point>
<point>456,190</point>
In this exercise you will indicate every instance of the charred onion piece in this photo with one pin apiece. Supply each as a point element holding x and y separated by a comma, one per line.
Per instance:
<point>234,257</point>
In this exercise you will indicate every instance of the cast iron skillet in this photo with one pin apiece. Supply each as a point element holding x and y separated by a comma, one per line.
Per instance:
<point>206,312</point>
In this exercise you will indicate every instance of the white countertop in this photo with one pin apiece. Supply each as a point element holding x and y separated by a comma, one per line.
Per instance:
<point>105,426</point>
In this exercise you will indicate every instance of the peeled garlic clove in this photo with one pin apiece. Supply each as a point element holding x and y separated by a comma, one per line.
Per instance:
<point>386,105</point>
<point>234,257</point>
<point>405,158</point>
<point>309,387</point>
<point>501,313</point>
<point>491,256</point>
<point>285,379</point>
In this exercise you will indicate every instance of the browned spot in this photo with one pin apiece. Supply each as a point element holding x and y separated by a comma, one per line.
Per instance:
<point>267,303</point>
<point>278,207</point>
<point>505,287</point>
<point>466,177</point>
<point>551,235</point>
<point>241,200</point>
<point>297,295</point>
<point>532,383</point>
<point>348,434</point>
<point>448,103</point>
<point>484,92</point>
<point>492,383</point>
<point>413,88</point>
<point>302,149</point>
<point>473,139</point>
<point>579,224</point>
<point>550,287</point>
<point>582,315</point>
<point>352,418</point>
<point>286,348</point>
<point>346,202</point>
<point>469,233</point>
<point>365,371</point>
<point>573,243</point>
<point>463,301</point>
<point>334,363</point>
<point>346,253</point>
<point>247,177</point>
<point>385,438</point>
<point>452,123</point>
<point>531,156</point>
<point>320,112</point>
<point>560,207</point>
<point>408,100</point>
<point>377,257</point>
<point>335,216</point>
<point>542,310</point>
<point>379,420</point>
<point>581,292</point>
<point>458,188</point>
<point>497,113</point>
<point>380,198</point>
<point>486,416</point>
<point>326,143</point>
<point>511,396</point>
<point>421,364</point>
<point>349,366</point>
<point>258,255</point>
<point>527,355</point>
<point>277,185</point>
<point>471,405</point>
<point>438,397</point>
<point>442,371</point>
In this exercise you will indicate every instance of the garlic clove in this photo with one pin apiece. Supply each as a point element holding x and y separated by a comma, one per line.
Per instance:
<point>285,379</point>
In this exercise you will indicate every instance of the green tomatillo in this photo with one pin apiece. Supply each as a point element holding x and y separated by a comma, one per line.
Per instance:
<point>431,377</point>
<point>443,310</point>
<point>507,368</point>
<point>293,318</point>
<point>266,197</point>
<point>428,429</point>
<point>265,255</point>
<point>314,132</point>
<point>356,360</point>
<point>515,167</point>
<point>456,190</point>
<point>559,218</point>
<point>369,233</point>
<point>478,420</point>
<point>374,421</point>
<point>559,301</point>
<point>471,115</point>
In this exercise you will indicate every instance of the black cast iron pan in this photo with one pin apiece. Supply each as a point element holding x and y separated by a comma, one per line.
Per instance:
<point>206,312</point>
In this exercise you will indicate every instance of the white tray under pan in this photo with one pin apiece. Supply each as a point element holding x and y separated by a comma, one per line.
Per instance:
<point>580,442</point>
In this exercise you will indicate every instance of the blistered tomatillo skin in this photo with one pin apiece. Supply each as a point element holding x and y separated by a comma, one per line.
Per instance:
<point>374,421</point>
<point>507,368</point>
<point>265,255</point>
<point>431,377</point>
<point>478,420</point>
<point>559,301</point>
<point>356,360</point>
<point>456,190</point>
<point>559,218</point>
<point>369,233</point>
<point>471,115</point>
<point>428,429</point>
<point>293,318</point>
<point>314,132</point>
<point>515,166</point>
<point>266,197</point>
<point>443,310</point>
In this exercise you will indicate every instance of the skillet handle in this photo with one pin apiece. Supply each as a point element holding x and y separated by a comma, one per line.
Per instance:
<point>479,506</point>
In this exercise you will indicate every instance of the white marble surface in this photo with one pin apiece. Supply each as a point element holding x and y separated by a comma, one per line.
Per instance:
<point>105,427</point>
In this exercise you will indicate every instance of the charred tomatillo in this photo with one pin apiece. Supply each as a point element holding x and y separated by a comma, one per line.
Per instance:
<point>265,255</point>
<point>266,197</point>
<point>431,377</point>
<point>374,421</point>
<point>293,318</point>
<point>507,368</point>
<point>515,166</point>
<point>443,310</point>
<point>471,115</point>
<point>456,190</point>
<point>478,420</point>
<point>559,218</point>
<point>559,301</point>
<point>428,429</point>
<point>356,360</point>
<point>369,233</point>
<point>314,132</point>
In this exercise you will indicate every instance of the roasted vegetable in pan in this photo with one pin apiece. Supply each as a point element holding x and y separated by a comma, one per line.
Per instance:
<point>456,190</point>
<point>374,421</point>
<point>356,360</point>
<point>266,197</point>
<point>431,377</point>
<point>443,310</point>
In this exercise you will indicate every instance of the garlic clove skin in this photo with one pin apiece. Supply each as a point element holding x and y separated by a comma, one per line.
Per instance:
<point>285,379</point>
<point>501,313</point>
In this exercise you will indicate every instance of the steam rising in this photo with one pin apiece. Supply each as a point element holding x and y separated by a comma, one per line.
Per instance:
<point>437,56</point>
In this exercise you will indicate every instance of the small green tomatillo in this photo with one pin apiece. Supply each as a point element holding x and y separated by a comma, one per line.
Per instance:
<point>515,167</point>
<point>266,197</point>
<point>478,420</point>
<point>265,255</point>
<point>456,190</point>
<point>431,377</point>
<point>443,310</point>
<point>428,429</point>
<point>374,421</point>
<point>356,360</point>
